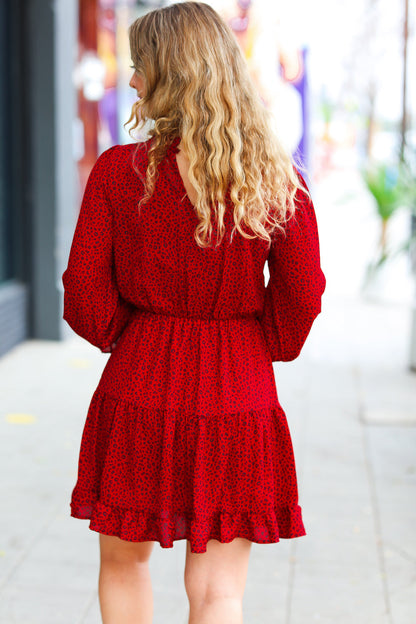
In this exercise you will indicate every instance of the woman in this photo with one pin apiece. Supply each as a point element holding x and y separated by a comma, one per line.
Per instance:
<point>185,437</point>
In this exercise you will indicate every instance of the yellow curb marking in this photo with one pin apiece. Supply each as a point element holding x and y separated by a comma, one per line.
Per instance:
<point>20,419</point>
<point>79,363</point>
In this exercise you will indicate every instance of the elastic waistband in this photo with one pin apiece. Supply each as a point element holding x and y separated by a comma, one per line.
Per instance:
<point>190,317</point>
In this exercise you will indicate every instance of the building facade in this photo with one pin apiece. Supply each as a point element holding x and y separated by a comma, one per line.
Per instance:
<point>37,167</point>
<point>64,96</point>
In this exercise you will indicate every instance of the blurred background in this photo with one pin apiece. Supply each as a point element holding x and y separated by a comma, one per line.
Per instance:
<point>336,77</point>
<point>340,81</point>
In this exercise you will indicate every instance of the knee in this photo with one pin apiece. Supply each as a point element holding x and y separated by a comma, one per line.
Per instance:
<point>208,590</point>
<point>229,594</point>
<point>218,575</point>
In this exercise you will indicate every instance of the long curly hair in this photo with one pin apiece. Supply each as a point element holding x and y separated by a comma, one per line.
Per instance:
<point>197,86</point>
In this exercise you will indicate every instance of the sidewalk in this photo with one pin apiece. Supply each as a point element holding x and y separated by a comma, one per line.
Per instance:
<point>351,407</point>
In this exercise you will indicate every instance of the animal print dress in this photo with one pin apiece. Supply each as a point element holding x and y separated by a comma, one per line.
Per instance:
<point>185,437</point>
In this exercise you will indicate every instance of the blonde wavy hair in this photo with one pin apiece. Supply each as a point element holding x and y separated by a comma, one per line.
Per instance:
<point>197,86</point>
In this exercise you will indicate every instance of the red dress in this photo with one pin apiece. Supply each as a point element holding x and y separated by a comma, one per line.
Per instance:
<point>185,437</point>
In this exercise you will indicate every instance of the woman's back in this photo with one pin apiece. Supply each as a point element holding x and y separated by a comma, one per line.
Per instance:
<point>185,437</point>
<point>196,332</point>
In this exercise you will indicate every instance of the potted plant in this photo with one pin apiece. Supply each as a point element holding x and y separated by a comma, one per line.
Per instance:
<point>393,188</point>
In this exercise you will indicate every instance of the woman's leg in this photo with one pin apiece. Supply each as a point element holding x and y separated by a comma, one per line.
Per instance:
<point>124,585</point>
<point>215,581</point>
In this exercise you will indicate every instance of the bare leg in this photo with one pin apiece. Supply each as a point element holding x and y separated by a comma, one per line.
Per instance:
<point>124,585</point>
<point>215,582</point>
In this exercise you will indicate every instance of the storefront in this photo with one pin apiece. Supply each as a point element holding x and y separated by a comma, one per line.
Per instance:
<point>64,97</point>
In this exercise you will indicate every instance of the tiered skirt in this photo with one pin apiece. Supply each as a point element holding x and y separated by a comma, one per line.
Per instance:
<point>185,437</point>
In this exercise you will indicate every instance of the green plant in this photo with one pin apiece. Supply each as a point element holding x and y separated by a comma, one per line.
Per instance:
<point>393,188</point>
<point>382,182</point>
<point>407,178</point>
<point>407,186</point>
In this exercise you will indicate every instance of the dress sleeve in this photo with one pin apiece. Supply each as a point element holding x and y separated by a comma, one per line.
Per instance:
<point>296,283</point>
<point>93,307</point>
